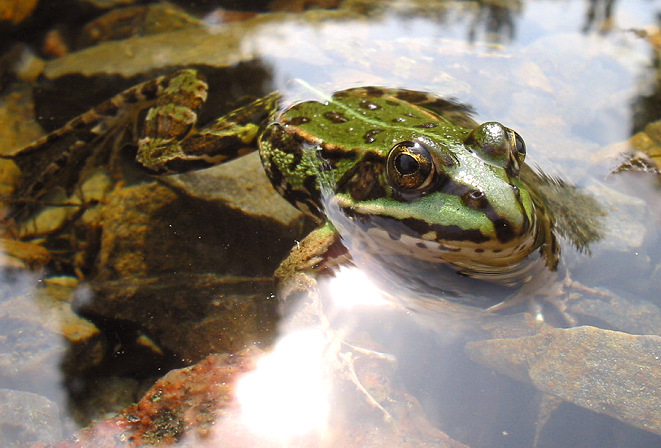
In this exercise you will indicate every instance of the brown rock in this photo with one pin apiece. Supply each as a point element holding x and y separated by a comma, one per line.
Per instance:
<point>19,127</point>
<point>137,20</point>
<point>230,220</point>
<point>608,372</point>
<point>192,315</point>
<point>222,47</point>
<point>15,11</point>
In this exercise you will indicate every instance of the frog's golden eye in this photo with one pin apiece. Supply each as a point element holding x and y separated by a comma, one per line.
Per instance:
<point>409,167</point>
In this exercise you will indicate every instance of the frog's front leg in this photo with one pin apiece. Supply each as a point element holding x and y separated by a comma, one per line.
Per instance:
<point>317,254</point>
<point>172,144</point>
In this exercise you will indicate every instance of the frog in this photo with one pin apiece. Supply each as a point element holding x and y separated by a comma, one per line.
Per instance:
<point>384,172</point>
<point>402,179</point>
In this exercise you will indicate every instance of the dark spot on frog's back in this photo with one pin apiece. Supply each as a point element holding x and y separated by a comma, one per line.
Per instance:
<point>370,136</point>
<point>335,117</point>
<point>369,105</point>
<point>297,121</point>
<point>374,91</point>
<point>411,96</point>
<point>108,109</point>
<point>429,125</point>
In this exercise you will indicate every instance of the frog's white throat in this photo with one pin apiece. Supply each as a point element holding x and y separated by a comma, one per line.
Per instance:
<point>507,264</point>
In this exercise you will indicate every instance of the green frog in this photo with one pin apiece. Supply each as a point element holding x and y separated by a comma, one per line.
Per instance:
<point>388,173</point>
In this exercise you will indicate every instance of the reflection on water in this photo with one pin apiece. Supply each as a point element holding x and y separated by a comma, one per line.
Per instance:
<point>287,393</point>
<point>599,15</point>
<point>135,276</point>
<point>498,22</point>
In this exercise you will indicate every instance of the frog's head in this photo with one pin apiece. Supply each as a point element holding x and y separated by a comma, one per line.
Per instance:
<point>454,197</point>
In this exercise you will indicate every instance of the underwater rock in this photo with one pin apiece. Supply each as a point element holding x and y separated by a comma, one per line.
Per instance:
<point>608,372</point>
<point>190,315</point>
<point>28,418</point>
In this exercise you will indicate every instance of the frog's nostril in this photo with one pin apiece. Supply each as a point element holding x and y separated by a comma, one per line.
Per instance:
<point>476,195</point>
<point>475,199</point>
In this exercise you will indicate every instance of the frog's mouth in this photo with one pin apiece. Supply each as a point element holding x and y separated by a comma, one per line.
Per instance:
<point>468,250</point>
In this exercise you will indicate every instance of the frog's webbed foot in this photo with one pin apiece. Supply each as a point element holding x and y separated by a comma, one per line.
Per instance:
<point>317,254</point>
<point>554,293</point>
<point>559,293</point>
<point>543,286</point>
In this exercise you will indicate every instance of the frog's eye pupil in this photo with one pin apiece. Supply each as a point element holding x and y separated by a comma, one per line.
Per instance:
<point>406,164</point>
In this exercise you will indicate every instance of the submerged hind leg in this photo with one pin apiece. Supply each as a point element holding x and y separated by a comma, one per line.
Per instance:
<point>172,144</point>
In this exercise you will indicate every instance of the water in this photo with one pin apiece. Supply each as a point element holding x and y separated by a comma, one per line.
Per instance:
<point>577,89</point>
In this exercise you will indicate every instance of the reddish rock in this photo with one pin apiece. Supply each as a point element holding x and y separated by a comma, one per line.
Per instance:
<point>196,406</point>
<point>54,45</point>
<point>184,401</point>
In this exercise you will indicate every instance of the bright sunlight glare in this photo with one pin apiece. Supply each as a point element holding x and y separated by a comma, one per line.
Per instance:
<point>287,395</point>
<point>351,287</point>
